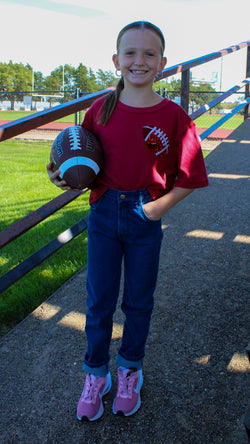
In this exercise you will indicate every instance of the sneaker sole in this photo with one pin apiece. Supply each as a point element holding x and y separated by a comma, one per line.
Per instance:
<point>138,405</point>
<point>101,409</point>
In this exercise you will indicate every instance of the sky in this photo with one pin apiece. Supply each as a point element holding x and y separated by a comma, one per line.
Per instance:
<point>50,33</point>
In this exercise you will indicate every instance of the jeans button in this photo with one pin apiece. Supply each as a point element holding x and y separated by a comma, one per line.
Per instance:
<point>122,196</point>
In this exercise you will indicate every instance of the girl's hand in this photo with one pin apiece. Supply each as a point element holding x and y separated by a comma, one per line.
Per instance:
<point>152,210</point>
<point>54,178</point>
<point>156,209</point>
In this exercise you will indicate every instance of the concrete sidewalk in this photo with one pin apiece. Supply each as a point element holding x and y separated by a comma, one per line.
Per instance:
<point>196,387</point>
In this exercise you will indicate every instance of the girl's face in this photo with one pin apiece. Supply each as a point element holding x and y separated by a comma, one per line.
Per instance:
<point>139,57</point>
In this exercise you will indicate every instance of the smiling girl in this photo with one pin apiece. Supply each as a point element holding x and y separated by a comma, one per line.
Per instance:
<point>153,160</point>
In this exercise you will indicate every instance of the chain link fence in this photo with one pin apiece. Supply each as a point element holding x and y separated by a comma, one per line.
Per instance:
<point>17,104</point>
<point>206,82</point>
<point>197,99</point>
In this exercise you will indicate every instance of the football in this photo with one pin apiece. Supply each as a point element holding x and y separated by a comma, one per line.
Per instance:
<point>78,154</point>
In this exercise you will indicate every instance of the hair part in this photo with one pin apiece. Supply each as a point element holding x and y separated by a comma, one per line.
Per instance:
<point>141,25</point>
<point>112,98</point>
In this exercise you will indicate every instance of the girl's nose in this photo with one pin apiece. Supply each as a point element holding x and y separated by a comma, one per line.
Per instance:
<point>139,59</point>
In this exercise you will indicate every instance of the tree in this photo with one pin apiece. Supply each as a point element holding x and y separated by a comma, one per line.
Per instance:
<point>15,77</point>
<point>199,93</point>
<point>85,79</point>
<point>5,77</point>
<point>105,79</point>
<point>54,81</point>
<point>38,81</point>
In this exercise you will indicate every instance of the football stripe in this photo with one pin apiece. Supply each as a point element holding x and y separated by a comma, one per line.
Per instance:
<point>77,161</point>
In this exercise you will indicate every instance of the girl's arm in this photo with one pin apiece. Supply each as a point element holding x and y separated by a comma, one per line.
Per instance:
<point>157,208</point>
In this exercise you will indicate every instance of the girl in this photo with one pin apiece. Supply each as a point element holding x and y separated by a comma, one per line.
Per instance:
<point>153,160</point>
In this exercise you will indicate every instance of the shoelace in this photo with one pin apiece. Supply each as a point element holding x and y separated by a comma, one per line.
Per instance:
<point>91,388</point>
<point>126,381</point>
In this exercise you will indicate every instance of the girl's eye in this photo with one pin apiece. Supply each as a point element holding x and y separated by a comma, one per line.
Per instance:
<point>150,54</point>
<point>129,52</point>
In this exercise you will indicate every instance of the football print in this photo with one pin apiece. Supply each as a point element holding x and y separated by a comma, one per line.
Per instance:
<point>156,140</point>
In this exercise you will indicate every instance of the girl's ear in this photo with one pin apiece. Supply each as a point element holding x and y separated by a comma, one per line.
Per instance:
<point>116,61</point>
<point>163,63</point>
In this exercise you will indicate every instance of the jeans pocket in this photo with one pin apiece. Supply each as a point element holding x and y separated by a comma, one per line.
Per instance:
<point>141,211</point>
<point>145,216</point>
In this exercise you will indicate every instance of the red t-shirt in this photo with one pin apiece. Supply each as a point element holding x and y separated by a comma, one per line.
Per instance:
<point>153,148</point>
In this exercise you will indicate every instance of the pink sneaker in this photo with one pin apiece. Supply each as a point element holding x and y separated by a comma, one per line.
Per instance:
<point>128,400</point>
<point>90,406</point>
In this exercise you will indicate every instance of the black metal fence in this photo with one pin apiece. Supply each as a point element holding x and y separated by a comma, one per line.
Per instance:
<point>38,100</point>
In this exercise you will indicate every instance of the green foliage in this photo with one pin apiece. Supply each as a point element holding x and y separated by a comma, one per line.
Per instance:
<point>54,81</point>
<point>200,97</point>
<point>15,77</point>
<point>24,190</point>
<point>197,96</point>
<point>39,81</point>
<point>106,78</point>
<point>64,80</point>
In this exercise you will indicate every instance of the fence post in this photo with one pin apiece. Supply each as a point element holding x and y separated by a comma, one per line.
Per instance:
<point>246,110</point>
<point>77,95</point>
<point>185,89</point>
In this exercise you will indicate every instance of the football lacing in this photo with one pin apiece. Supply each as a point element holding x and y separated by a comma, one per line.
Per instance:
<point>74,138</point>
<point>162,136</point>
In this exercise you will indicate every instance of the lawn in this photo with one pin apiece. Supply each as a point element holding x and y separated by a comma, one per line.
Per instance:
<point>25,187</point>
<point>208,120</point>
<point>14,115</point>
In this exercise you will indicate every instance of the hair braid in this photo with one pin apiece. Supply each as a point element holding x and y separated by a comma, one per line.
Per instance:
<point>110,102</point>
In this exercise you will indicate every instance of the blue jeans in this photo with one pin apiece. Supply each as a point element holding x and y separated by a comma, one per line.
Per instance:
<point>119,231</point>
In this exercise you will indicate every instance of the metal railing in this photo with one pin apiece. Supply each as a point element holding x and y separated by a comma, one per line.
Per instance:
<point>20,126</point>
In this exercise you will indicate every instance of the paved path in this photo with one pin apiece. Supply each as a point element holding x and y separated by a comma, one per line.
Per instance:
<point>195,370</point>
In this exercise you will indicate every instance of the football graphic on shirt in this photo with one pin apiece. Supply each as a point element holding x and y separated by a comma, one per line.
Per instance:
<point>156,140</point>
<point>78,155</point>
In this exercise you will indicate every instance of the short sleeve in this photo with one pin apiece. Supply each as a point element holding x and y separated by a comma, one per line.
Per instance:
<point>191,166</point>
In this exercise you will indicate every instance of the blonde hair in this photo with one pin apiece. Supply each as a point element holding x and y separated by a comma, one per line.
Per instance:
<point>112,98</point>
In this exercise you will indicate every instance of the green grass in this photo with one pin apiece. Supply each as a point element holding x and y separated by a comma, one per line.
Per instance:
<point>206,153</point>
<point>14,115</point>
<point>25,187</point>
<point>206,121</point>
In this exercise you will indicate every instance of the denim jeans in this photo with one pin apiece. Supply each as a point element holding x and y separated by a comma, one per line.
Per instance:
<point>120,232</point>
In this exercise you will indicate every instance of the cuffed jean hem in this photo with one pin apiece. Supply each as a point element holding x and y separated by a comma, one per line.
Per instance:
<point>97,371</point>
<point>122,362</point>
